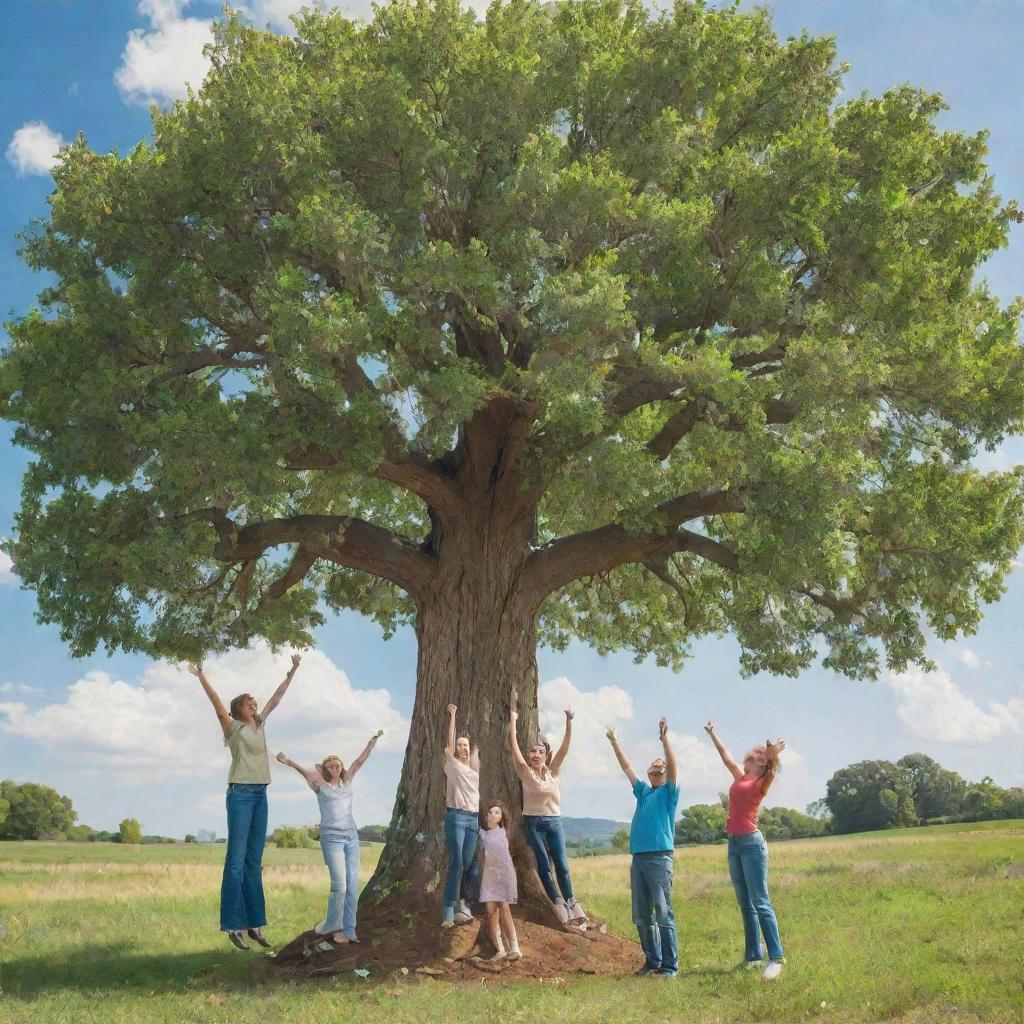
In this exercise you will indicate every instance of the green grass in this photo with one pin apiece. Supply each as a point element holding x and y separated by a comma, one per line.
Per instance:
<point>917,926</point>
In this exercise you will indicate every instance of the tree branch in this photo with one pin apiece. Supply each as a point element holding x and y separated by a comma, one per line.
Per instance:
<point>561,561</point>
<point>344,540</point>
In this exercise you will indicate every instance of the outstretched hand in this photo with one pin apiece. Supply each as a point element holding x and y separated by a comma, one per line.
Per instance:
<point>774,749</point>
<point>569,714</point>
<point>296,658</point>
<point>610,733</point>
<point>663,729</point>
<point>282,758</point>
<point>452,709</point>
<point>195,669</point>
<point>377,735</point>
<point>709,727</point>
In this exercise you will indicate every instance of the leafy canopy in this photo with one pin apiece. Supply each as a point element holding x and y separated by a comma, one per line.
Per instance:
<point>738,324</point>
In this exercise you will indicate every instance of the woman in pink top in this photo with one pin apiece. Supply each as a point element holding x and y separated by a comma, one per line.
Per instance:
<point>748,852</point>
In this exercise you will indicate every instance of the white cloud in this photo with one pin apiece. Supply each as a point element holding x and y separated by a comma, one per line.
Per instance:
<point>157,64</point>
<point>590,755</point>
<point>6,569</point>
<point>163,725</point>
<point>277,13</point>
<point>33,150</point>
<point>699,767</point>
<point>933,707</point>
<point>23,689</point>
<point>971,658</point>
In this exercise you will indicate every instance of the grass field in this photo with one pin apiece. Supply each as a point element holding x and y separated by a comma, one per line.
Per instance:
<point>915,926</point>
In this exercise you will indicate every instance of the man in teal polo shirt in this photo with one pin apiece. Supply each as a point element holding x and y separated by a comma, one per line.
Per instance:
<point>651,842</point>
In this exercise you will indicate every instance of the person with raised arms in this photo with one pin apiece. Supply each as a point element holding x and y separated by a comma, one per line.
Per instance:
<point>542,817</point>
<point>242,905</point>
<point>339,838</point>
<point>652,844</point>
<point>748,851</point>
<point>461,819</point>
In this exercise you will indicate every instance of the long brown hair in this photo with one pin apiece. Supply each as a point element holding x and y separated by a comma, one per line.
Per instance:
<point>506,815</point>
<point>235,709</point>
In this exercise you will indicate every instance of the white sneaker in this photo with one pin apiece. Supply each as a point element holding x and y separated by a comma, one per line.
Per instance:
<point>462,912</point>
<point>515,953</point>
<point>773,970</point>
<point>576,912</point>
<point>561,911</point>
<point>498,957</point>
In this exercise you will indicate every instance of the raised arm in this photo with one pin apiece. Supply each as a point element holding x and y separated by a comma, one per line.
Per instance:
<point>737,771</point>
<point>556,761</point>
<point>313,777</point>
<point>513,740</point>
<point>621,757</point>
<point>449,750</point>
<point>773,750</point>
<point>218,705</point>
<point>670,757</point>
<point>349,773</point>
<point>283,688</point>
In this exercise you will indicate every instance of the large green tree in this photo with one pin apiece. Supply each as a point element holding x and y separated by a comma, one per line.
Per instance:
<point>937,791</point>
<point>575,321</point>
<point>870,795</point>
<point>34,811</point>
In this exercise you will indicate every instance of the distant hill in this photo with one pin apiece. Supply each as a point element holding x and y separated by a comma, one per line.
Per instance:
<point>591,828</point>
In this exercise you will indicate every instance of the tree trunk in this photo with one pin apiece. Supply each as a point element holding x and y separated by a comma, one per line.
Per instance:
<point>477,642</point>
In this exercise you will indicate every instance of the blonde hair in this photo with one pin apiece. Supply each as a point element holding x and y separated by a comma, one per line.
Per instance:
<point>771,766</point>
<point>331,757</point>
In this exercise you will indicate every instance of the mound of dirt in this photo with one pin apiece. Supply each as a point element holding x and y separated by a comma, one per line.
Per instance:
<point>418,947</point>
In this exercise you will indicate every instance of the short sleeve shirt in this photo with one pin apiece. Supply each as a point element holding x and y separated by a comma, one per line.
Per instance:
<point>653,828</point>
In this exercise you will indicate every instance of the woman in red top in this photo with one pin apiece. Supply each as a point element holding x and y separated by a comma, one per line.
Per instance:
<point>748,852</point>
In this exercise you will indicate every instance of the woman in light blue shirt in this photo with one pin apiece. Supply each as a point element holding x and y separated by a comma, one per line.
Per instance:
<point>339,839</point>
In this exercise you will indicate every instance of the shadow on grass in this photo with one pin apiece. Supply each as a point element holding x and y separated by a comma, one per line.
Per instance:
<point>106,969</point>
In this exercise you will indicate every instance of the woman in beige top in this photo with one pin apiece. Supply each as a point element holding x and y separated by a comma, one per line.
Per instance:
<point>542,819</point>
<point>461,820</point>
<point>242,907</point>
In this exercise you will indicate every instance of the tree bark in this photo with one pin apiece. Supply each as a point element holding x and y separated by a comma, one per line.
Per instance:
<point>476,633</point>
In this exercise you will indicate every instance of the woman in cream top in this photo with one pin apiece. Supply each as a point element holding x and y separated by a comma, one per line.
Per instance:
<point>242,907</point>
<point>539,773</point>
<point>461,819</point>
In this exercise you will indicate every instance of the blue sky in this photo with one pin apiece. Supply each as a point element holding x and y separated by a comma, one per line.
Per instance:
<point>125,737</point>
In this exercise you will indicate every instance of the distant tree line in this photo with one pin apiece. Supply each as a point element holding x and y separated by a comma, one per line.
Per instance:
<point>304,837</point>
<point>32,811</point>
<point>869,795</point>
<point>916,790</point>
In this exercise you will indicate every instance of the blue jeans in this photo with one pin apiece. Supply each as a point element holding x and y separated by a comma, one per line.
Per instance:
<point>650,878</point>
<point>461,829</point>
<point>748,869</point>
<point>544,834</point>
<point>341,855</point>
<point>241,888</point>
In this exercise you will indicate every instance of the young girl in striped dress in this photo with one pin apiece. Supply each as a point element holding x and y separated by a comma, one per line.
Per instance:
<point>498,883</point>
